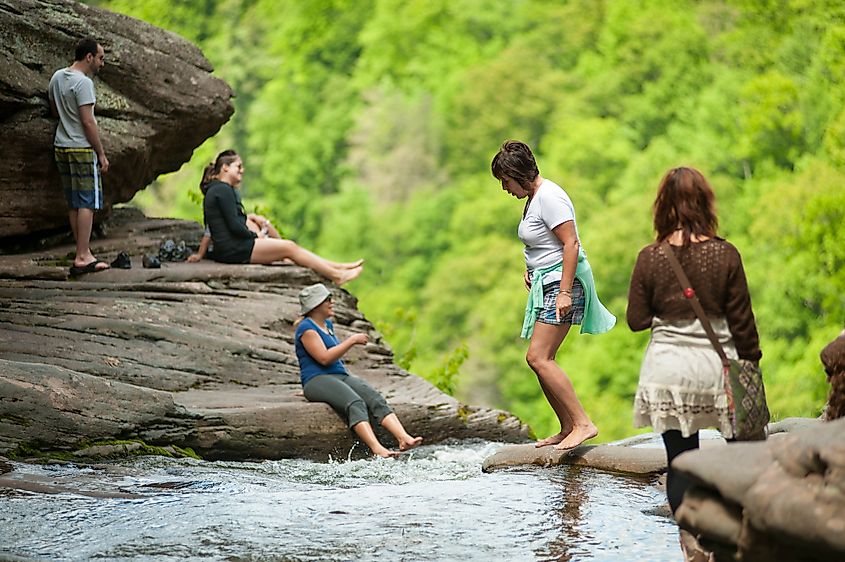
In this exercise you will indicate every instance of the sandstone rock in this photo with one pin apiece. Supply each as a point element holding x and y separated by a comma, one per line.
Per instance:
<point>641,454</point>
<point>156,102</point>
<point>786,494</point>
<point>788,425</point>
<point>193,355</point>
<point>613,458</point>
<point>38,487</point>
<point>47,405</point>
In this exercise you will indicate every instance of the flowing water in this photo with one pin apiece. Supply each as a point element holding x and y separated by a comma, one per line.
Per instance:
<point>432,504</point>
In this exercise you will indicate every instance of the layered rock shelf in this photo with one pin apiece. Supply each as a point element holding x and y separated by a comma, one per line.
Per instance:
<point>198,356</point>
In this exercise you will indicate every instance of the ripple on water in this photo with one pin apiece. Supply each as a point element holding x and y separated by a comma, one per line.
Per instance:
<point>433,503</point>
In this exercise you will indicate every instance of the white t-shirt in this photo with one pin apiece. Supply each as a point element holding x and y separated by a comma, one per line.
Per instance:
<point>549,208</point>
<point>71,89</point>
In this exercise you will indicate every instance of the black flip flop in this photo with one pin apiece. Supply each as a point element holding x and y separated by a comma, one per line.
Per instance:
<point>87,268</point>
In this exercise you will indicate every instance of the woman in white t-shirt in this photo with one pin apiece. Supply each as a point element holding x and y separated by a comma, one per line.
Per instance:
<point>560,284</point>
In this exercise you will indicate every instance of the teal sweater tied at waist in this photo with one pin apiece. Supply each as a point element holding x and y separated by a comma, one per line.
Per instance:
<point>597,318</point>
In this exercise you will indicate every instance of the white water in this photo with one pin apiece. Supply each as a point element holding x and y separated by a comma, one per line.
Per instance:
<point>433,504</point>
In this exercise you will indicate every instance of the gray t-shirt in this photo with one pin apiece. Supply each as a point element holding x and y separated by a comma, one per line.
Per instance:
<point>549,208</point>
<point>70,89</point>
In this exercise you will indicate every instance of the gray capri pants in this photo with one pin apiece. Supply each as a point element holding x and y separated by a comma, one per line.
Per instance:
<point>350,396</point>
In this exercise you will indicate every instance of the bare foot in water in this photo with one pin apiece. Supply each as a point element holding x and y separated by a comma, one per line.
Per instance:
<point>553,440</point>
<point>349,274</point>
<point>410,443</point>
<point>579,434</point>
<point>386,453</point>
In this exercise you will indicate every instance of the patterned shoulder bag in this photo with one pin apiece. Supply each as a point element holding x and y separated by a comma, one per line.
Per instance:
<point>743,380</point>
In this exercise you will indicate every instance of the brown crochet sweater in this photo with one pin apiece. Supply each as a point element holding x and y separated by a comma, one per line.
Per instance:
<point>833,358</point>
<point>714,268</point>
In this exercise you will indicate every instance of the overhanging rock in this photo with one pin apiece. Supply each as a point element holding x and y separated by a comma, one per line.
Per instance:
<point>156,102</point>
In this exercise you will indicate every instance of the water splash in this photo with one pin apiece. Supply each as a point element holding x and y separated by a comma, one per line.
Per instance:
<point>433,503</point>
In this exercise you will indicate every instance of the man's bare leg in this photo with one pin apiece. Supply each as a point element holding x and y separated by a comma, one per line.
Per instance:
<point>82,233</point>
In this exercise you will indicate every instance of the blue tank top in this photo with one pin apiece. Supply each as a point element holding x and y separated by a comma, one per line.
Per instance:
<point>308,366</point>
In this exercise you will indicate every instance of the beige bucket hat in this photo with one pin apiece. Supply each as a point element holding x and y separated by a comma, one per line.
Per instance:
<point>311,297</point>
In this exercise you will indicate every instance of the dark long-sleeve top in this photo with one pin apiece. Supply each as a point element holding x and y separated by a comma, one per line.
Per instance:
<point>714,268</point>
<point>226,219</point>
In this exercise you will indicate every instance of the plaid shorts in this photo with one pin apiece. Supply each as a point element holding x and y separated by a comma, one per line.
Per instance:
<point>80,176</point>
<point>575,314</point>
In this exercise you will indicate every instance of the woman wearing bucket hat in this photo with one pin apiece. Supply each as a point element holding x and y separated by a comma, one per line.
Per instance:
<point>235,242</point>
<point>325,378</point>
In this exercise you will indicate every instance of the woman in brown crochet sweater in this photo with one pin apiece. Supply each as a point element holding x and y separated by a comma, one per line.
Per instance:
<point>833,359</point>
<point>680,389</point>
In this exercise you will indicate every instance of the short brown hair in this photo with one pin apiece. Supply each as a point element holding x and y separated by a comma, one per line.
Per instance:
<point>685,201</point>
<point>86,46</point>
<point>516,161</point>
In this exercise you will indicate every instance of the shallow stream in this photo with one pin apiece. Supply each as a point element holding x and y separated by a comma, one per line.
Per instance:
<point>431,504</point>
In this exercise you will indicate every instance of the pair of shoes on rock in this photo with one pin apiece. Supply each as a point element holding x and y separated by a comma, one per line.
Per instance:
<point>149,261</point>
<point>173,251</point>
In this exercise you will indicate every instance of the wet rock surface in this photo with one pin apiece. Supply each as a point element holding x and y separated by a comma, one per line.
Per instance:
<point>782,499</point>
<point>193,355</point>
<point>642,454</point>
<point>156,101</point>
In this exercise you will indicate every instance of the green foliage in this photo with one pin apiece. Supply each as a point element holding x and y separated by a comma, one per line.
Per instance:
<point>444,376</point>
<point>771,119</point>
<point>367,129</point>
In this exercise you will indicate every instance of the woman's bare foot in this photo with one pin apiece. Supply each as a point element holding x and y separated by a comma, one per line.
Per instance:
<point>386,453</point>
<point>553,440</point>
<point>349,274</point>
<point>579,434</point>
<point>352,265</point>
<point>410,443</point>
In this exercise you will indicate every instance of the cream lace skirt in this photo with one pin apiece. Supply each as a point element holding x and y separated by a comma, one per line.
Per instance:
<point>681,379</point>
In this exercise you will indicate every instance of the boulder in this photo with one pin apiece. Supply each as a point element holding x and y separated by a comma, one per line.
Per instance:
<point>620,457</point>
<point>156,102</point>
<point>642,454</point>
<point>782,499</point>
<point>194,355</point>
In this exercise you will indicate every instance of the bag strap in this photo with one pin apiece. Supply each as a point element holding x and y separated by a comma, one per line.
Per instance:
<point>689,294</point>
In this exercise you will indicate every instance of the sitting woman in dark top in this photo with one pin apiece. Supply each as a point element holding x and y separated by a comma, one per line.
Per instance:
<point>325,378</point>
<point>235,242</point>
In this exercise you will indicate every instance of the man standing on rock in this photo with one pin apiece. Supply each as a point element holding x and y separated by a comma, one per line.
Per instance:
<point>79,153</point>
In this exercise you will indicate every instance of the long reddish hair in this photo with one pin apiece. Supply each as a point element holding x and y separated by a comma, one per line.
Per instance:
<point>685,201</point>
